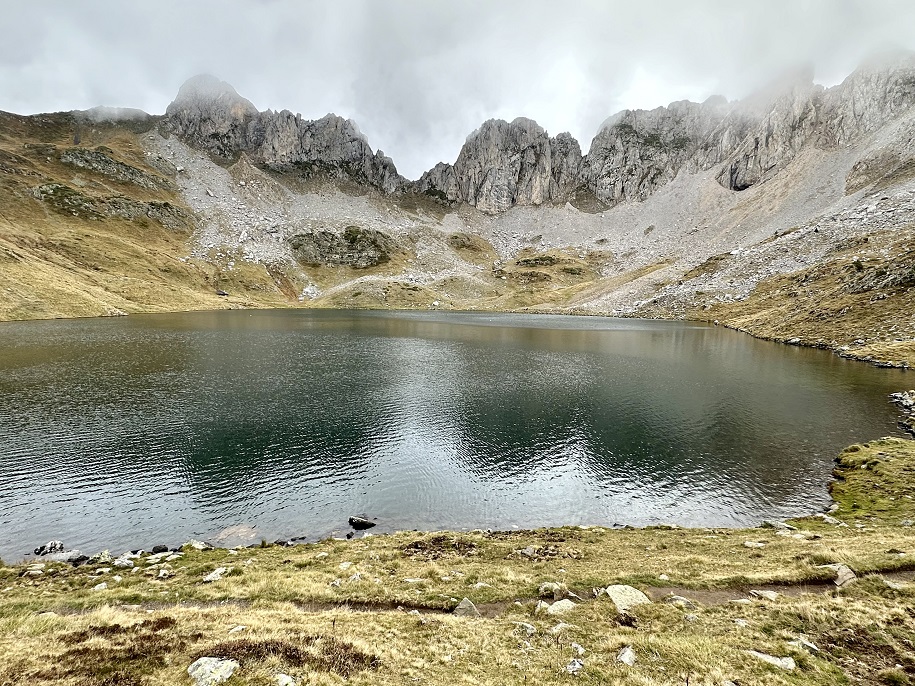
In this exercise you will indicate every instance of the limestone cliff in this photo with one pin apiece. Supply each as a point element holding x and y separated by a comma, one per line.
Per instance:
<point>504,164</point>
<point>211,116</point>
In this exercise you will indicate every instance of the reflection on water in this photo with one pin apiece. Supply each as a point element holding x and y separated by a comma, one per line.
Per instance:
<point>129,432</point>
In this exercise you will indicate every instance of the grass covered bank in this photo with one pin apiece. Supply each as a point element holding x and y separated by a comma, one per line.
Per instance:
<point>378,610</point>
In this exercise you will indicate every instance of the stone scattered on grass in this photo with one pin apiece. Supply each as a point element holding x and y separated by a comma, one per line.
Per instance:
<point>561,627</point>
<point>551,589</point>
<point>753,544</point>
<point>626,597</point>
<point>100,587</point>
<point>575,666</point>
<point>197,545</point>
<point>626,656</point>
<point>764,595</point>
<point>529,629</point>
<point>844,574</point>
<point>283,680</point>
<point>208,671</point>
<point>786,663</point>
<point>466,608</point>
<point>217,574</point>
<point>802,643</point>
<point>679,601</point>
<point>561,607</point>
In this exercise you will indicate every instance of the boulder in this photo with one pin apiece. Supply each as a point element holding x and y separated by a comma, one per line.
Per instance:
<point>561,607</point>
<point>626,656</point>
<point>49,548</point>
<point>208,671</point>
<point>785,663</point>
<point>626,597</point>
<point>359,522</point>
<point>466,608</point>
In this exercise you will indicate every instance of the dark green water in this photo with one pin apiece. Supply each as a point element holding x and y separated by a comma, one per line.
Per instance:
<point>128,432</point>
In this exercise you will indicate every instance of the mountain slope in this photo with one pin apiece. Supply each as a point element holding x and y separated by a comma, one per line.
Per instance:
<point>704,210</point>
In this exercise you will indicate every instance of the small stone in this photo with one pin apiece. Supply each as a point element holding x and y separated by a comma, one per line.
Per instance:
<point>785,663</point>
<point>209,671</point>
<point>102,570</point>
<point>165,574</point>
<point>803,644</point>
<point>100,587</point>
<point>626,597</point>
<point>691,618</point>
<point>551,589</point>
<point>237,629</point>
<point>345,565</point>
<point>626,656</point>
<point>197,545</point>
<point>741,601</point>
<point>117,579</point>
<point>529,551</point>
<point>561,607</point>
<point>123,562</point>
<point>765,595</point>
<point>844,574</point>
<point>529,629</point>
<point>321,556</point>
<point>216,574</point>
<point>753,544</point>
<point>283,679</point>
<point>575,666</point>
<point>663,577</point>
<point>679,601</point>
<point>742,623</point>
<point>773,524</point>
<point>466,608</point>
<point>562,627</point>
<point>578,649</point>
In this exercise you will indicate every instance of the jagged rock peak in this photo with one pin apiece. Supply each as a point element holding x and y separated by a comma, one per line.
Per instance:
<point>210,115</point>
<point>502,164</point>
<point>205,90</point>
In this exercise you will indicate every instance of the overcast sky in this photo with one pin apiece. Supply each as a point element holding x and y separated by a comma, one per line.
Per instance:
<point>417,76</point>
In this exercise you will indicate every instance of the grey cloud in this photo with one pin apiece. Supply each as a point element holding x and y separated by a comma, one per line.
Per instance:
<point>419,76</point>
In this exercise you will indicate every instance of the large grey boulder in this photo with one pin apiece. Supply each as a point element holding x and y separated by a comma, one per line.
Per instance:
<point>208,671</point>
<point>626,597</point>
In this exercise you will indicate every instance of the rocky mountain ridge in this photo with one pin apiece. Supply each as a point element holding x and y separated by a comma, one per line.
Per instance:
<point>506,164</point>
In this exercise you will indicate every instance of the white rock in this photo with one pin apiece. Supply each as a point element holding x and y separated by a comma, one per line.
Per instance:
<point>208,671</point>
<point>237,629</point>
<point>785,663</point>
<point>283,680</point>
<point>626,656</point>
<point>197,545</point>
<point>561,607</point>
<point>626,597</point>
<point>216,574</point>
<point>575,666</point>
<point>753,544</point>
<point>765,595</point>
<point>100,587</point>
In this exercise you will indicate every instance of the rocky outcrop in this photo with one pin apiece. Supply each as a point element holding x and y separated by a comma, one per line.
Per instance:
<point>504,164</point>
<point>638,151</point>
<point>355,247</point>
<point>210,115</point>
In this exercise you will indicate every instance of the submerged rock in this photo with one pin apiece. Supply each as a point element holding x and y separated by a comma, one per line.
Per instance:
<point>359,522</point>
<point>49,548</point>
